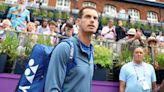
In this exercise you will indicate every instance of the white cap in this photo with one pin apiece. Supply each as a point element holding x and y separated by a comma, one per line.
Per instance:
<point>131,31</point>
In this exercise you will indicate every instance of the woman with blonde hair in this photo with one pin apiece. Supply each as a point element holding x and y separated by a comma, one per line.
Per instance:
<point>31,28</point>
<point>29,37</point>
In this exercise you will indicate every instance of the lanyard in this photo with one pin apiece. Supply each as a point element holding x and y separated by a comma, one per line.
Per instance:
<point>137,73</point>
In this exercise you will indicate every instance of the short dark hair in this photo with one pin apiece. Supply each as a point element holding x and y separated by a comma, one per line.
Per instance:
<point>69,25</point>
<point>45,20</point>
<point>80,14</point>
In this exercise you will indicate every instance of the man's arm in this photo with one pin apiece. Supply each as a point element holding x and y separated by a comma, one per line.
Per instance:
<point>122,86</point>
<point>154,87</point>
<point>122,78</point>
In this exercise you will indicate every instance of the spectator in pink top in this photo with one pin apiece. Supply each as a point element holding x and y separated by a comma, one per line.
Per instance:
<point>108,32</point>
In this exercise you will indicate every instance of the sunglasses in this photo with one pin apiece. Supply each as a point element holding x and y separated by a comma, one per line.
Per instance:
<point>130,35</point>
<point>152,41</point>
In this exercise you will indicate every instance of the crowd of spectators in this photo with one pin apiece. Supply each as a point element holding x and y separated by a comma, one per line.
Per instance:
<point>134,37</point>
<point>18,19</point>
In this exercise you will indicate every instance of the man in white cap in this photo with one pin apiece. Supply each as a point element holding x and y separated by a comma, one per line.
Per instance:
<point>133,38</point>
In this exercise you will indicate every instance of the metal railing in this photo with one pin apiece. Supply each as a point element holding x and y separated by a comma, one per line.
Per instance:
<point>117,48</point>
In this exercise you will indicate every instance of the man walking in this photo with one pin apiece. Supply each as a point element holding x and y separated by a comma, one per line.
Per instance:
<point>137,76</point>
<point>79,78</point>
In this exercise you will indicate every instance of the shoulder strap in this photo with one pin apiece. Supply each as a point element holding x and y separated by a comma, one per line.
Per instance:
<point>72,49</point>
<point>71,62</point>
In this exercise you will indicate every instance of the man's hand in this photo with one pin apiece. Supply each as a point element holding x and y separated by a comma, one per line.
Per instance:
<point>154,87</point>
<point>138,36</point>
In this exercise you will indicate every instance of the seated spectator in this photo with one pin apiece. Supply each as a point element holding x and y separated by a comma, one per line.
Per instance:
<point>67,30</point>
<point>108,32</point>
<point>53,32</point>
<point>70,21</point>
<point>133,38</point>
<point>23,37</point>
<point>4,26</point>
<point>19,15</point>
<point>152,44</point>
<point>44,27</point>
<point>31,27</point>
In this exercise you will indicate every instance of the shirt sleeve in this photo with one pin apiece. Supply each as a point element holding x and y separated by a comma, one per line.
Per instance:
<point>153,75</point>
<point>57,68</point>
<point>122,75</point>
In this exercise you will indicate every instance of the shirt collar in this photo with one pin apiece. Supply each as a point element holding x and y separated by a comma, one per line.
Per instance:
<point>135,64</point>
<point>82,44</point>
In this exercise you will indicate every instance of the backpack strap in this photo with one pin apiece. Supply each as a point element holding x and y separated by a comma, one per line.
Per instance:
<point>71,62</point>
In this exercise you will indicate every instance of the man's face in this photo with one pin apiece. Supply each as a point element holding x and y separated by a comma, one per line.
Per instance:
<point>69,31</point>
<point>88,23</point>
<point>138,55</point>
<point>71,20</point>
<point>53,27</point>
<point>110,23</point>
<point>45,23</point>
<point>130,36</point>
<point>120,23</point>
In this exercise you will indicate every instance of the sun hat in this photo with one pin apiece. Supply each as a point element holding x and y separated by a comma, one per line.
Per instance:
<point>151,39</point>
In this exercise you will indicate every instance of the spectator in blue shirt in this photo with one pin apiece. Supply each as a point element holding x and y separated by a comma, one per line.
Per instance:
<point>19,15</point>
<point>137,76</point>
<point>80,77</point>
